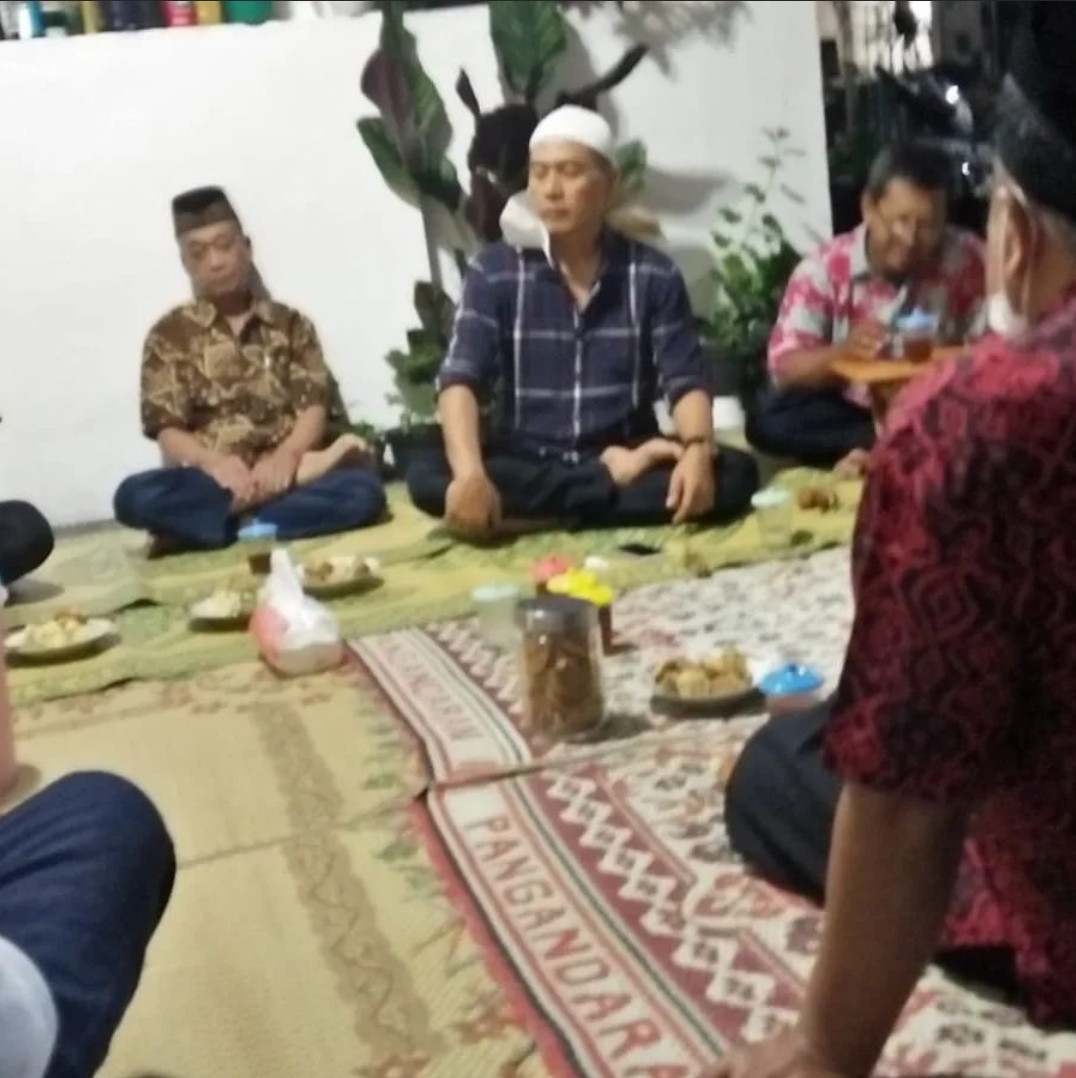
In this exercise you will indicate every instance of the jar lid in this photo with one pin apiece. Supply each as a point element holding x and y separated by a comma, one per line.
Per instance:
<point>917,320</point>
<point>257,529</point>
<point>556,614</point>
<point>791,679</point>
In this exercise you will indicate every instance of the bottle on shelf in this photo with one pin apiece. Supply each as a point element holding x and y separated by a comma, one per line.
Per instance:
<point>31,20</point>
<point>180,13</point>
<point>248,11</point>
<point>91,16</point>
<point>210,12</point>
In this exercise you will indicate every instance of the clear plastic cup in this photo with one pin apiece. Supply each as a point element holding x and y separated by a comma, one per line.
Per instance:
<point>774,510</point>
<point>495,610</point>
<point>258,539</point>
<point>917,333</point>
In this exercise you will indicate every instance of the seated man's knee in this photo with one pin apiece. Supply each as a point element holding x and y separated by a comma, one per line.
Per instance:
<point>748,788</point>
<point>427,486</point>
<point>128,503</point>
<point>738,481</point>
<point>365,496</point>
<point>34,531</point>
<point>116,814</point>
<point>768,430</point>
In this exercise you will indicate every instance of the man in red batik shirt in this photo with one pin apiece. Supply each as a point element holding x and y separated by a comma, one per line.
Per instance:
<point>954,725</point>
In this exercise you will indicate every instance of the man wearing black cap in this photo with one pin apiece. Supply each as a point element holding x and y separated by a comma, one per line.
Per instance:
<point>235,390</point>
<point>953,834</point>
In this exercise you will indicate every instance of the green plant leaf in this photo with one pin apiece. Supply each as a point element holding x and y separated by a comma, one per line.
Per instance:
<point>529,39</point>
<point>412,111</point>
<point>631,159</point>
<point>721,242</point>
<point>440,182</point>
<point>435,309</point>
<point>729,215</point>
<point>754,192</point>
<point>772,225</point>
<point>383,150</point>
<point>770,161</point>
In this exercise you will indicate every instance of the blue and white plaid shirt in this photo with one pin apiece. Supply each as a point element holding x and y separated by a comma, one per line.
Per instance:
<point>573,382</point>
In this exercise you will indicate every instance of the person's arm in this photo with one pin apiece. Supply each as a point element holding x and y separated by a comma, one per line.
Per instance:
<point>926,703</point>
<point>165,403</point>
<point>682,374</point>
<point>468,372</point>
<point>309,381</point>
<point>892,866</point>
<point>460,426</point>
<point>801,346</point>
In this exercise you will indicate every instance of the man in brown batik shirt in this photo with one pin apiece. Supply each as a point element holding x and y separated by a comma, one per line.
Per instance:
<point>236,393</point>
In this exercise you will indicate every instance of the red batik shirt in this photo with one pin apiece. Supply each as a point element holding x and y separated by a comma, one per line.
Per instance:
<point>835,289</point>
<point>960,679</point>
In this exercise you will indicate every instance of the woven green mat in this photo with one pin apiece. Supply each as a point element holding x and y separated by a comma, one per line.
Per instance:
<point>427,577</point>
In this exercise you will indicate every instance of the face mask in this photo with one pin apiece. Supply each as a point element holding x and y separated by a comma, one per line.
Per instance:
<point>1002,318</point>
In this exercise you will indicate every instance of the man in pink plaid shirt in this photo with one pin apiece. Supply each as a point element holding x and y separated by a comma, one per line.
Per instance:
<point>847,296</point>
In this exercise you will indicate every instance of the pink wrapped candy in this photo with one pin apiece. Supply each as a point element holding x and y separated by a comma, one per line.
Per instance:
<point>550,566</point>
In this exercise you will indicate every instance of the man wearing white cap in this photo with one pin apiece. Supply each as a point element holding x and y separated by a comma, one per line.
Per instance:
<point>580,333</point>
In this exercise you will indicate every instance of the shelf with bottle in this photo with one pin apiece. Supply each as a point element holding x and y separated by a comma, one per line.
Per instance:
<point>27,19</point>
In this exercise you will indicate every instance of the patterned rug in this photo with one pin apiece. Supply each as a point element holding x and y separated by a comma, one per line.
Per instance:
<point>309,935</point>
<point>428,577</point>
<point>458,697</point>
<point>633,943</point>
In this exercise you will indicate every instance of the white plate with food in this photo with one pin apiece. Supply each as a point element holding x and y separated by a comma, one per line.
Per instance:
<point>713,685</point>
<point>225,608</point>
<point>333,578</point>
<point>68,635</point>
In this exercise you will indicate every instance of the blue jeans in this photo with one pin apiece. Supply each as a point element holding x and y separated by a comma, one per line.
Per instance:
<point>187,505</point>
<point>86,871</point>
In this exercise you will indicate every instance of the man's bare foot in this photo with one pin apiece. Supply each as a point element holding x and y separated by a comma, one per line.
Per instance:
<point>348,449</point>
<point>626,465</point>
<point>853,466</point>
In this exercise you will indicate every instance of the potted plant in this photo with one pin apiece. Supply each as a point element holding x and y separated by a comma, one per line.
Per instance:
<point>408,140</point>
<point>754,263</point>
<point>414,374</point>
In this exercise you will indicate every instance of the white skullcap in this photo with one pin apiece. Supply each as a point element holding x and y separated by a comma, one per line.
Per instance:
<point>572,123</point>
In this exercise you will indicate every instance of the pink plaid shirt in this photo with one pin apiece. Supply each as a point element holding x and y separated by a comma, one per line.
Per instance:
<point>835,289</point>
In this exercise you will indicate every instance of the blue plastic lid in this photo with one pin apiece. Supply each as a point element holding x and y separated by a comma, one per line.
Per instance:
<point>257,529</point>
<point>791,679</point>
<point>917,319</point>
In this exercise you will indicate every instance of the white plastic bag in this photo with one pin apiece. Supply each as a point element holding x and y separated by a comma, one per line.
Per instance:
<point>295,634</point>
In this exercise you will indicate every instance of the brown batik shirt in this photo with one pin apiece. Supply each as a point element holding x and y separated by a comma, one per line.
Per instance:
<point>236,395</point>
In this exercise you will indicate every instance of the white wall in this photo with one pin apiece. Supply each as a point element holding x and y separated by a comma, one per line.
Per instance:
<point>108,127</point>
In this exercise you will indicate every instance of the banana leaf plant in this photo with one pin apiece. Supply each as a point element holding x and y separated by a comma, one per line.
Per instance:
<point>530,39</point>
<point>754,262</point>
<point>409,138</point>
<point>415,370</point>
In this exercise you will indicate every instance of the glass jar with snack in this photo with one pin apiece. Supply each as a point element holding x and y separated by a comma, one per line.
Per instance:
<point>584,585</point>
<point>560,666</point>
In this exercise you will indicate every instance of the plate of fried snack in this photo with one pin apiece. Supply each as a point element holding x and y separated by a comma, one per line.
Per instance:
<point>823,498</point>
<point>224,608</point>
<point>704,686</point>
<point>332,578</point>
<point>70,634</point>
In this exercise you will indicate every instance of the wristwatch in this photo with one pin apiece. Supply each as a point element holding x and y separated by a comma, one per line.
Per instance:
<point>706,442</point>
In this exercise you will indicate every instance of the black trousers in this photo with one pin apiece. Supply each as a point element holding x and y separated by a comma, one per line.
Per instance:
<point>583,495</point>
<point>816,428</point>
<point>25,540</point>
<point>779,810</point>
